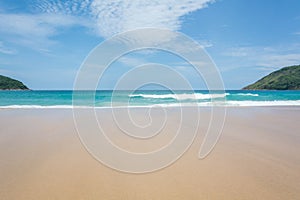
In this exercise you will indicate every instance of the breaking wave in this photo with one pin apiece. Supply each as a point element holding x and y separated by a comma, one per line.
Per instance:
<point>180,96</point>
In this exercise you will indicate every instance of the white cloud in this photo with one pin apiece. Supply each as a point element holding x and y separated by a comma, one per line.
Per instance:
<point>238,52</point>
<point>122,15</point>
<point>131,61</point>
<point>115,16</point>
<point>5,50</point>
<point>67,7</point>
<point>36,29</point>
<point>265,58</point>
<point>279,60</point>
<point>103,17</point>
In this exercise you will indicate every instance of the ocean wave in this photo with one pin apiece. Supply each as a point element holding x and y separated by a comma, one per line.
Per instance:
<point>237,104</point>
<point>40,107</point>
<point>251,103</point>
<point>200,104</point>
<point>247,94</point>
<point>179,96</point>
<point>74,107</point>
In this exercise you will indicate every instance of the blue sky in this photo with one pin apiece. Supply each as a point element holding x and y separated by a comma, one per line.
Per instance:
<point>44,42</point>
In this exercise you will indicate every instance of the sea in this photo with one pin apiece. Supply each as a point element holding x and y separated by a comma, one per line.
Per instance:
<point>146,98</point>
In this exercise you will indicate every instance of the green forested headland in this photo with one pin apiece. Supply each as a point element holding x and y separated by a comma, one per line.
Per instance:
<point>287,78</point>
<point>7,83</point>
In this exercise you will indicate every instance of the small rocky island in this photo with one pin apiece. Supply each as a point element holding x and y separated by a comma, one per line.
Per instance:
<point>7,83</point>
<point>287,78</point>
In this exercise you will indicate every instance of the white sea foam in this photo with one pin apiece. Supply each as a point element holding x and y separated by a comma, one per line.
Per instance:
<point>247,94</point>
<point>251,103</point>
<point>40,107</point>
<point>267,103</point>
<point>201,104</point>
<point>235,104</point>
<point>180,96</point>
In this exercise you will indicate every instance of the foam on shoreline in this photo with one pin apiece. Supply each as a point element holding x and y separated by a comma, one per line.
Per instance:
<point>202,104</point>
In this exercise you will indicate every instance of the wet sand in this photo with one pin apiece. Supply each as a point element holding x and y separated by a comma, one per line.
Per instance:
<point>257,157</point>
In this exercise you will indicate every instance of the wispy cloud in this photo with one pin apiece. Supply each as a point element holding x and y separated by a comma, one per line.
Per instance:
<point>279,60</point>
<point>112,17</point>
<point>67,7</point>
<point>122,15</point>
<point>264,58</point>
<point>36,30</point>
<point>6,50</point>
<point>131,61</point>
<point>103,17</point>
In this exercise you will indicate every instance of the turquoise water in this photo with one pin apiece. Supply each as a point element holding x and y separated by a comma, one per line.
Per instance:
<point>147,98</point>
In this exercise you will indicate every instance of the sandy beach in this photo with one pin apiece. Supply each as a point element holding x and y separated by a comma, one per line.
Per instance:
<point>257,157</point>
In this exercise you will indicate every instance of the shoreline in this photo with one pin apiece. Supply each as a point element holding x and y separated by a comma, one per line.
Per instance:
<point>230,104</point>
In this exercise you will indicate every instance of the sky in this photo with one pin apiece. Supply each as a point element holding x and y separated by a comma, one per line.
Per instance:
<point>44,42</point>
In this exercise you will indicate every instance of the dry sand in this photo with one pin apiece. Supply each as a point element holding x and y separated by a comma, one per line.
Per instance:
<point>257,157</point>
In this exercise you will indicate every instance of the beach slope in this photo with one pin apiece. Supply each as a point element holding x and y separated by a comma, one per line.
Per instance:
<point>257,157</point>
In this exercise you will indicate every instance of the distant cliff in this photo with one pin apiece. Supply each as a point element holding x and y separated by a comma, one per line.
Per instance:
<point>287,78</point>
<point>7,83</point>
